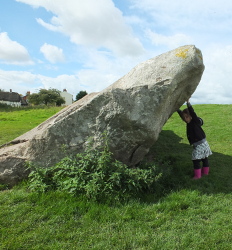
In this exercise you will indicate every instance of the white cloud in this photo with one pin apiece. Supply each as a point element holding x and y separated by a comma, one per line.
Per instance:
<point>23,81</point>
<point>171,42</point>
<point>69,82</point>
<point>216,86</point>
<point>47,25</point>
<point>97,24</point>
<point>202,21</point>
<point>191,11</point>
<point>52,53</point>
<point>101,70</point>
<point>110,42</point>
<point>11,52</point>
<point>18,81</point>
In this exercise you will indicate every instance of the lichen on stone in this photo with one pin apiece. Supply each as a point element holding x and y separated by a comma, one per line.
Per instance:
<point>182,53</point>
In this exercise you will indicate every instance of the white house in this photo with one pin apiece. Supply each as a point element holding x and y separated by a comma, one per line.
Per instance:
<point>10,98</point>
<point>67,97</point>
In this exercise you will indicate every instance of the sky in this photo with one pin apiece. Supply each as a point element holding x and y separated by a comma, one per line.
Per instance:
<point>87,45</point>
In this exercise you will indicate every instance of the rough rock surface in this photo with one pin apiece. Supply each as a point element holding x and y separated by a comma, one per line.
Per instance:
<point>133,111</point>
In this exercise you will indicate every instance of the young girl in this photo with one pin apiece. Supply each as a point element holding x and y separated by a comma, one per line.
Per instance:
<point>197,138</point>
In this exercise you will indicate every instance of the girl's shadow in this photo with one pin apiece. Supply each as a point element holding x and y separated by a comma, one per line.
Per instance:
<point>169,149</point>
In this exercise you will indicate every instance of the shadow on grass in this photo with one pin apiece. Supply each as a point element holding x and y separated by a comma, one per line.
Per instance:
<point>169,148</point>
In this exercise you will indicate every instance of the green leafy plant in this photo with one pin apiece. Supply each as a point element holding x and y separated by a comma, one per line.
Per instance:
<point>96,175</point>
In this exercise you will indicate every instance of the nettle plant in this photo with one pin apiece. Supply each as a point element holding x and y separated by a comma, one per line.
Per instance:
<point>96,175</point>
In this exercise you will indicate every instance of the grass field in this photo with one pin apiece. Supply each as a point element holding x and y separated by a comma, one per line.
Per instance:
<point>183,214</point>
<point>14,123</point>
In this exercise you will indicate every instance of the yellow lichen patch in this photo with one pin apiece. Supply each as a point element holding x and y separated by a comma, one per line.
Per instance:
<point>182,53</point>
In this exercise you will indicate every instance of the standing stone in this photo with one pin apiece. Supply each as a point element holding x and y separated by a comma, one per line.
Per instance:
<point>132,111</point>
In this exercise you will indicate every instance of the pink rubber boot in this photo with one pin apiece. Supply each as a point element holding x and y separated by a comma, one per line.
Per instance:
<point>197,174</point>
<point>205,171</point>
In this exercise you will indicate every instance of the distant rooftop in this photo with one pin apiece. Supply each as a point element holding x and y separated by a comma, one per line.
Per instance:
<point>10,96</point>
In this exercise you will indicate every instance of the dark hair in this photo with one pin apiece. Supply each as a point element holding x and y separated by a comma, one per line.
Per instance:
<point>185,111</point>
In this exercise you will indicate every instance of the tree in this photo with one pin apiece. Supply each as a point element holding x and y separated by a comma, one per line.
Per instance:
<point>60,100</point>
<point>51,96</point>
<point>81,94</point>
<point>34,99</point>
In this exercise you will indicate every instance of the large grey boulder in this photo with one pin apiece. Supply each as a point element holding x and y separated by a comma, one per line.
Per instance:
<point>132,111</point>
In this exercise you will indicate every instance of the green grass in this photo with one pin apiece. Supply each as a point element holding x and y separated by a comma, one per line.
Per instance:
<point>14,122</point>
<point>182,220</point>
<point>184,214</point>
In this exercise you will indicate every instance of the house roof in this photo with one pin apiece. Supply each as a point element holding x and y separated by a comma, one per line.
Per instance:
<point>10,96</point>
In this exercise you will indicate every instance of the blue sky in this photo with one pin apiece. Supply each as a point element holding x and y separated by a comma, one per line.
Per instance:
<point>88,45</point>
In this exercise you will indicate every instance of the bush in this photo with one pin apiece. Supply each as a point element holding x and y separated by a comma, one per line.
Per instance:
<point>96,175</point>
<point>5,107</point>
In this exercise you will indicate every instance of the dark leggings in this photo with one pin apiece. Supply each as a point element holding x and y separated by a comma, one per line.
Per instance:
<point>197,163</point>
